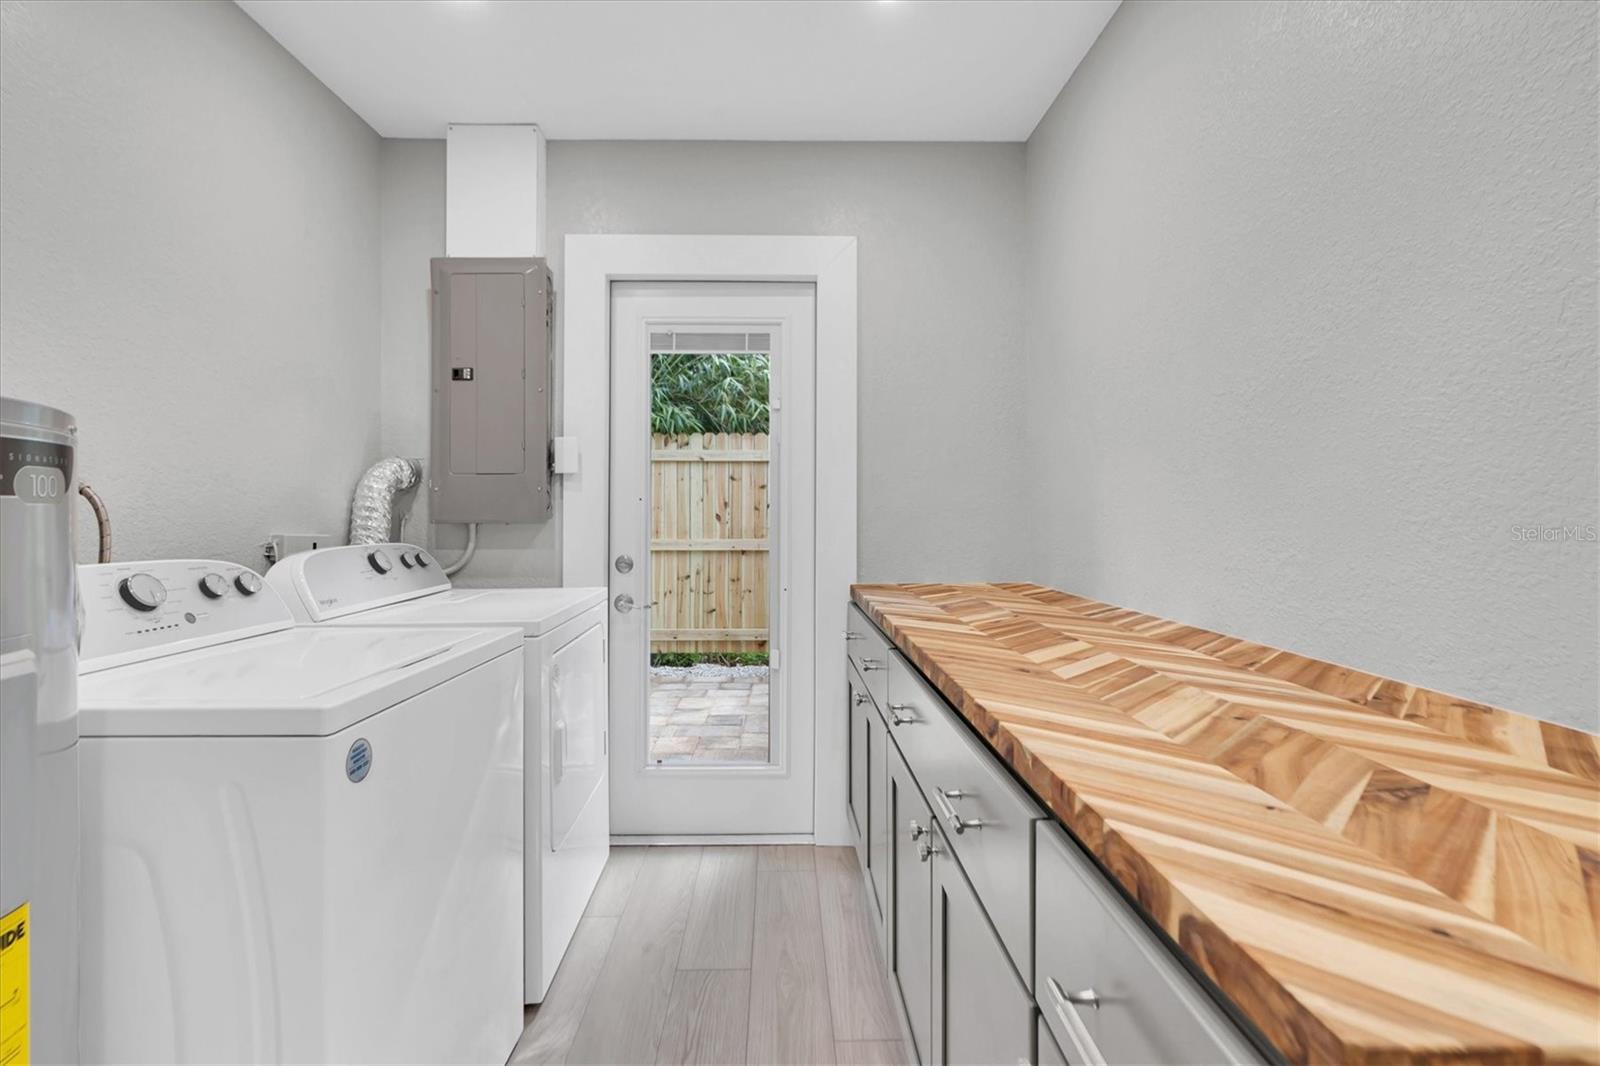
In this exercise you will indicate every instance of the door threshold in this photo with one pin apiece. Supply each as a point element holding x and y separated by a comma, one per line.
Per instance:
<point>670,840</point>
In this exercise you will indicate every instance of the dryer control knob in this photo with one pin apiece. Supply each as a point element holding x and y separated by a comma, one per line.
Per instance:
<point>379,560</point>
<point>423,560</point>
<point>247,583</point>
<point>408,560</point>
<point>213,585</point>
<point>142,592</point>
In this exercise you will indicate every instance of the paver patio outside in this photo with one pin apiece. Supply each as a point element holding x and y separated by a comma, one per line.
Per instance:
<point>709,714</point>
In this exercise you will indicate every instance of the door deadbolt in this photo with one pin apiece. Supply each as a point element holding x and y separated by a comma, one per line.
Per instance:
<point>624,563</point>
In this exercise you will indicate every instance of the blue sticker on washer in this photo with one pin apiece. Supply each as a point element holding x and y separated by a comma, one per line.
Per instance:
<point>358,760</point>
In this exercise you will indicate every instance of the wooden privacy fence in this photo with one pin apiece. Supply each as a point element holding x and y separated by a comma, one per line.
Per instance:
<point>709,547</point>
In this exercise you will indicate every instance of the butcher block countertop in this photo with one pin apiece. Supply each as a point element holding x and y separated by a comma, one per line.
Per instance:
<point>1371,871</point>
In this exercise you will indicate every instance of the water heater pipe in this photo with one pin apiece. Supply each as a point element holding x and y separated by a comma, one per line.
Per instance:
<point>372,507</point>
<point>102,519</point>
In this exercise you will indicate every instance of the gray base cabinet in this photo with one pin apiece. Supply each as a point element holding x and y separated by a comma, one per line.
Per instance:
<point>1005,942</point>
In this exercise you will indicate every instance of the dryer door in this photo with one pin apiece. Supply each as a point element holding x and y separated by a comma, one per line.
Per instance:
<point>577,729</point>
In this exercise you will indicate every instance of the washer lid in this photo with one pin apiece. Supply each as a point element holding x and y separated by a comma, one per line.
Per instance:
<point>536,610</point>
<point>296,682</point>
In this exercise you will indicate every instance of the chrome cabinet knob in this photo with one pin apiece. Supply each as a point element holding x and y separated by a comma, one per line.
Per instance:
<point>851,636</point>
<point>918,831</point>
<point>871,664</point>
<point>897,715</point>
<point>859,697</point>
<point>926,851</point>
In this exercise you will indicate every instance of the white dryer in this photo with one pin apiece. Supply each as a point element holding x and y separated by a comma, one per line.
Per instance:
<point>568,804</point>
<point>300,845</point>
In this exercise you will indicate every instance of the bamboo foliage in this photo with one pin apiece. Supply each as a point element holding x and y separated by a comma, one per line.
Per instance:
<point>710,542</point>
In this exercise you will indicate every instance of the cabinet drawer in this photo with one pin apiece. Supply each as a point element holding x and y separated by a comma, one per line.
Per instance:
<point>1108,987</point>
<point>868,651</point>
<point>986,817</point>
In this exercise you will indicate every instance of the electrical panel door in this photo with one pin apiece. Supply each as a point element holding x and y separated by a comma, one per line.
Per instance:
<point>492,323</point>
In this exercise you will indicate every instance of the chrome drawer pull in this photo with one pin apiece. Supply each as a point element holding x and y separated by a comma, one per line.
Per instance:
<point>860,697</point>
<point>897,718</point>
<point>1065,1004</point>
<point>918,831</point>
<point>947,810</point>
<point>871,664</point>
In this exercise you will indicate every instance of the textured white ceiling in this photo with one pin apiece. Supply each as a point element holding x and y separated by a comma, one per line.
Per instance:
<point>897,70</point>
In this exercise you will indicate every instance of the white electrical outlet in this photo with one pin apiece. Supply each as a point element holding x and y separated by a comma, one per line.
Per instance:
<point>281,545</point>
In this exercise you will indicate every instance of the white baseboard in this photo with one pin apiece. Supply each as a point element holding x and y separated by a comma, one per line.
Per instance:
<point>756,838</point>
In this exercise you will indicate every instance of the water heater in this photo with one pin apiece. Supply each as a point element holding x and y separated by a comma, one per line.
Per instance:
<point>38,737</point>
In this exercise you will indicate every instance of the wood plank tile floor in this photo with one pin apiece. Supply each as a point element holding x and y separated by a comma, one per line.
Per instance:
<point>738,954</point>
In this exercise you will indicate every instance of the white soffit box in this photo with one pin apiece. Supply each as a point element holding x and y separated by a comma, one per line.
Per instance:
<point>493,191</point>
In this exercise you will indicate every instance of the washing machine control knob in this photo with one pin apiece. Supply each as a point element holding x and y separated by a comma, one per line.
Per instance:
<point>423,560</point>
<point>379,561</point>
<point>142,592</point>
<point>247,583</point>
<point>213,586</point>
<point>408,560</point>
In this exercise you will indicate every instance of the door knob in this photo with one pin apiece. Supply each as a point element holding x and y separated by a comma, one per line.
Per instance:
<point>624,603</point>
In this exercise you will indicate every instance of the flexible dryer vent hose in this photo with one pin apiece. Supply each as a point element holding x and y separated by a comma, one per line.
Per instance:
<point>372,508</point>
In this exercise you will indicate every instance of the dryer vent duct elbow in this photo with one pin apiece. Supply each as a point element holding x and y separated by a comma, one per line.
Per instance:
<point>377,506</point>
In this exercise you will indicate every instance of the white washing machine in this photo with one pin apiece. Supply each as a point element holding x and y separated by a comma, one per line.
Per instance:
<point>300,845</point>
<point>568,803</point>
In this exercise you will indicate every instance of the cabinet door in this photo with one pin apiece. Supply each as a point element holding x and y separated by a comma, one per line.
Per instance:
<point>981,1010</point>
<point>910,929</point>
<point>878,826</point>
<point>856,784</point>
<point>1049,1054</point>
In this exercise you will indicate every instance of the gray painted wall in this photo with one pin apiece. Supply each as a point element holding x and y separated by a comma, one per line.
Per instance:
<point>411,211</point>
<point>941,285</point>
<point>188,233</point>
<point>1312,316</point>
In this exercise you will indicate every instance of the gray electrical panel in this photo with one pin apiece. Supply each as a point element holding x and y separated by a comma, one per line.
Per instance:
<point>492,323</point>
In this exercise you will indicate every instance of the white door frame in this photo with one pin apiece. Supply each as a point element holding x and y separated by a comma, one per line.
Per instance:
<point>592,263</point>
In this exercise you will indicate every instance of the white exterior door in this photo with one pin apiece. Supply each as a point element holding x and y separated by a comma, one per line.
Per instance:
<point>712,539</point>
